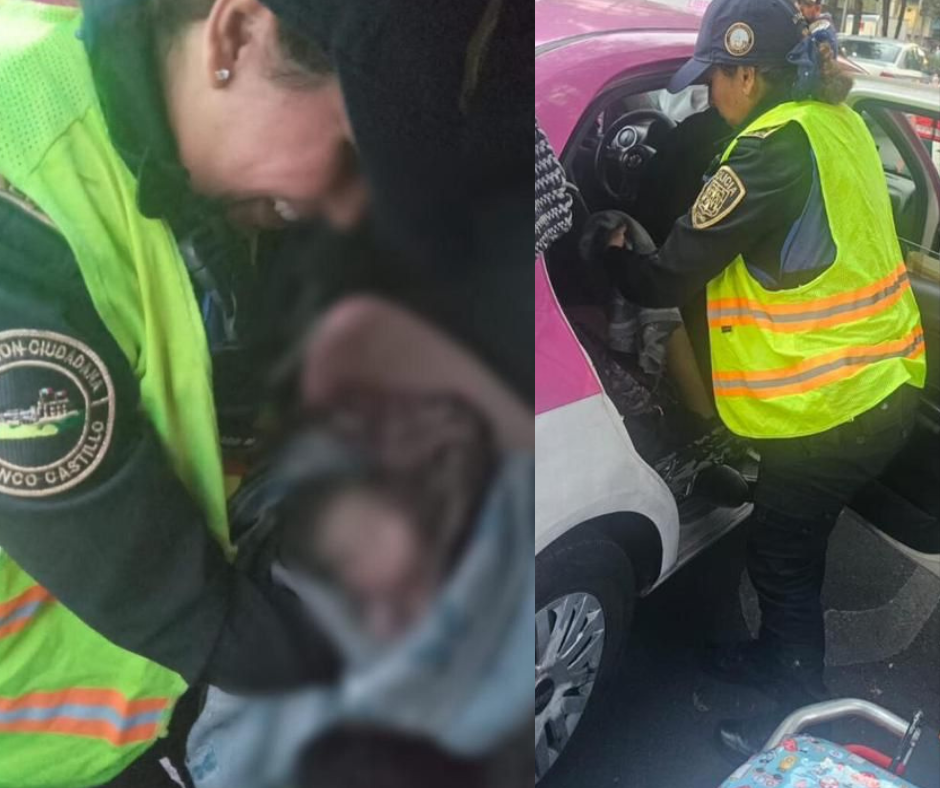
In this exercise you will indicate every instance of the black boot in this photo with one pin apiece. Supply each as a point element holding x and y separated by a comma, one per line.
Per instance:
<point>793,682</point>
<point>745,737</point>
<point>739,663</point>
<point>721,485</point>
<point>748,736</point>
<point>788,678</point>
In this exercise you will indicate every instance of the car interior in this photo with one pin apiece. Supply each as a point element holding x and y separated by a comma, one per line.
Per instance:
<point>611,164</point>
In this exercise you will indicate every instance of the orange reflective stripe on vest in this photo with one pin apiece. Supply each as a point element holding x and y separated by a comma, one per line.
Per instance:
<point>17,614</point>
<point>819,313</point>
<point>815,372</point>
<point>794,362</point>
<point>54,142</point>
<point>95,713</point>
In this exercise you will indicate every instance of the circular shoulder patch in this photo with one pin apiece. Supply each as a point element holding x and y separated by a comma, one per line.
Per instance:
<point>56,413</point>
<point>739,40</point>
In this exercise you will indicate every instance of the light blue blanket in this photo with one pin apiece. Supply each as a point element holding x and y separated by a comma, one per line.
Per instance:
<point>462,677</point>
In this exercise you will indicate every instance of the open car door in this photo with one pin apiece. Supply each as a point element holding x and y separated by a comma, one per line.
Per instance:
<point>905,121</point>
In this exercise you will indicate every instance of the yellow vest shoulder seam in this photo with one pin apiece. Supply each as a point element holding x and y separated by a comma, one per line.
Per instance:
<point>762,134</point>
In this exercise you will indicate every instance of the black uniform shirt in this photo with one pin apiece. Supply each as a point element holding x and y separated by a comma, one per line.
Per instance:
<point>765,205</point>
<point>125,547</point>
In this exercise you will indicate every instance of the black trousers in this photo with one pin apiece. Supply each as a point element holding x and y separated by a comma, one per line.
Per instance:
<point>804,484</point>
<point>146,771</point>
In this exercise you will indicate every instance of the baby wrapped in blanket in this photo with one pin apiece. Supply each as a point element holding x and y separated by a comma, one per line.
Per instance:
<point>387,516</point>
<point>382,493</point>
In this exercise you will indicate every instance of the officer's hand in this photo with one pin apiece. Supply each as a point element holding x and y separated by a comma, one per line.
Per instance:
<point>618,238</point>
<point>613,229</point>
<point>601,231</point>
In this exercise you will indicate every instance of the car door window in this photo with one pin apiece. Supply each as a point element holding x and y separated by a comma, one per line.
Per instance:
<point>871,50</point>
<point>908,185</point>
<point>891,159</point>
<point>913,60</point>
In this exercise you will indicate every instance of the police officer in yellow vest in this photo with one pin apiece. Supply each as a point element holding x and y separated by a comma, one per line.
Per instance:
<point>815,337</point>
<point>129,131</point>
<point>116,591</point>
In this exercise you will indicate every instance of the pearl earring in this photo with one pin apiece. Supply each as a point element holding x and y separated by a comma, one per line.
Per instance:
<point>223,75</point>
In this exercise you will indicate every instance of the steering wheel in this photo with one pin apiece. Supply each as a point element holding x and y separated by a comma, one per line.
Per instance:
<point>623,152</point>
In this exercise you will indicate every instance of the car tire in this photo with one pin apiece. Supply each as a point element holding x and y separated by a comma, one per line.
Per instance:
<point>585,591</point>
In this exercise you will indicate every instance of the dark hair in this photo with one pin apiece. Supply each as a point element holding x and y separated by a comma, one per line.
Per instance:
<point>832,87</point>
<point>431,454</point>
<point>302,63</point>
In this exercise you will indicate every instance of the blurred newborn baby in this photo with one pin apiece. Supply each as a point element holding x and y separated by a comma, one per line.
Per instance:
<point>384,488</point>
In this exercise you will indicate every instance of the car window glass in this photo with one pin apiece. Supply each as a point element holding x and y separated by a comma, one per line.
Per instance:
<point>928,132</point>
<point>680,106</point>
<point>871,50</point>
<point>891,159</point>
<point>914,60</point>
<point>903,188</point>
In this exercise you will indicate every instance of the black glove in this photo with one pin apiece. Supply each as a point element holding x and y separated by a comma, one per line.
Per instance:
<point>601,226</point>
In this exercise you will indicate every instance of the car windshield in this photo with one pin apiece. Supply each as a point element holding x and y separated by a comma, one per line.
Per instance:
<point>871,50</point>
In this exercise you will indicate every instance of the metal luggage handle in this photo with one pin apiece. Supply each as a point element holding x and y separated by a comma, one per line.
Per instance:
<point>832,710</point>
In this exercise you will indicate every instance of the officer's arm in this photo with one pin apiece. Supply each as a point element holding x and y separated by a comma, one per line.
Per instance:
<point>753,191</point>
<point>89,506</point>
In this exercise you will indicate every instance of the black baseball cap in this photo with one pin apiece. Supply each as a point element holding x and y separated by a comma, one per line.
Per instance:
<point>742,33</point>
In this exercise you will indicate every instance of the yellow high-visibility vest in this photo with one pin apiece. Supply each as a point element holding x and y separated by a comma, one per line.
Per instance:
<point>796,362</point>
<point>75,709</point>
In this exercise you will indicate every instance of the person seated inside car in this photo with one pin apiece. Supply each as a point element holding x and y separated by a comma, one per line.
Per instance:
<point>666,188</point>
<point>673,178</point>
<point>666,343</point>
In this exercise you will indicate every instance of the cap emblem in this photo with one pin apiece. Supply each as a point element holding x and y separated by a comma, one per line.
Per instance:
<point>739,40</point>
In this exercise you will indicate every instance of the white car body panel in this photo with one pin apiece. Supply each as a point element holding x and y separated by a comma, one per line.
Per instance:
<point>586,466</point>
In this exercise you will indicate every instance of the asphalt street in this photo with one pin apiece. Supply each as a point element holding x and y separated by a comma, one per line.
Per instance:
<point>654,726</point>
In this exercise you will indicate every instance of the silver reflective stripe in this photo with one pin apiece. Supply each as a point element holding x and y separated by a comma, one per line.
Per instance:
<point>800,377</point>
<point>799,317</point>
<point>15,197</point>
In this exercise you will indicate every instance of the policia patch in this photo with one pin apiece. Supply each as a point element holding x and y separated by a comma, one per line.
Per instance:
<point>56,413</point>
<point>721,195</point>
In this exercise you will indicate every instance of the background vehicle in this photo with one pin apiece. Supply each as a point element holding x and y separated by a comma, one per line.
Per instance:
<point>886,57</point>
<point>607,526</point>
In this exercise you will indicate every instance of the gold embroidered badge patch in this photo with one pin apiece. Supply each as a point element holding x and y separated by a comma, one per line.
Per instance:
<point>56,413</point>
<point>739,39</point>
<point>721,195</point>
<point>763,133</point>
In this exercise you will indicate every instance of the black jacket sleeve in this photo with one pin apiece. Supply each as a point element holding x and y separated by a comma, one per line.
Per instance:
<point>122,545</point>
<point>774,173</point>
